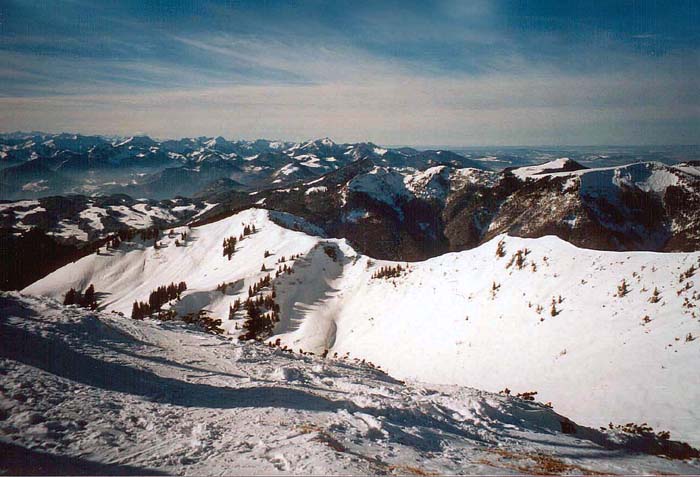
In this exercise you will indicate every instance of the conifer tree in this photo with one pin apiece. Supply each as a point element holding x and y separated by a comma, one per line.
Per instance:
<point>71,297</point>
<point>89,299</point>
<point>136,311</point>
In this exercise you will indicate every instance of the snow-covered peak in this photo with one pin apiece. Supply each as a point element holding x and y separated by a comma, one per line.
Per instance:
<point>139,141</point>
<point>432,183</point>
<point>470,175</point>
<point>209,155</point>
<point>381,183</point>
<point>277,145</point>
<point>389,185</point>
<point>326,141</point>
<point>563,164</point>
<point>362,150</point>
<point>652,177</point>
<point>321,146</point>
<point>216,141</point>
<point>649,177</point>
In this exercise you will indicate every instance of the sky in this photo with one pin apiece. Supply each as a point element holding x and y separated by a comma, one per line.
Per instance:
<point>446,72</point>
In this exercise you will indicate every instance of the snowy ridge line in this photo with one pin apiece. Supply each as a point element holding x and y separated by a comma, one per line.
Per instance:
<point>482,318</point>
<point>165,397</point>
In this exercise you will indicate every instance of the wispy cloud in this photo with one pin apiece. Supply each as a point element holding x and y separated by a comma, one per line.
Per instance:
<point>395,72</point>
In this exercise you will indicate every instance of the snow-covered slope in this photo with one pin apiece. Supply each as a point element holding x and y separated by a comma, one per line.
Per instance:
<point>556,166</point>
<point>468,318</point>
<point>95,393</point>
<point>647,176</point>
<point>551,321</point>
<point>136,268</point>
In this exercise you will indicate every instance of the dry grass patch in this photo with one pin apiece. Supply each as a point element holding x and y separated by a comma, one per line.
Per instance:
<point>536,463</point>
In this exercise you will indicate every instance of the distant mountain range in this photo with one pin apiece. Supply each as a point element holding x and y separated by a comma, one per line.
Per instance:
<point>413,215</point>
<point>37,165</point>
<point>395,204</point>
<point>34,165</point>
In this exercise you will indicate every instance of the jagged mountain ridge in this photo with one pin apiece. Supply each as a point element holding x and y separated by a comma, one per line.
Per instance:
<point>409,214</point>
<point>413,214</point>
<point>36,165</point>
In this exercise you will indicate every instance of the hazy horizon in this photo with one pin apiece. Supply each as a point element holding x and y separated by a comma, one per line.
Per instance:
<point>392,146</point>
<point>482,73</point>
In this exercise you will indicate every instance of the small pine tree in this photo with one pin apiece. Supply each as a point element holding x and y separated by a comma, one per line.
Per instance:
<point>89,299</point>
<point>622,288</point>
<point>553,310</point>
<point>136,313</point>
<point>655,296</point>
<point>71,297</point>
<point>494,289</point>
<point>501,249</point>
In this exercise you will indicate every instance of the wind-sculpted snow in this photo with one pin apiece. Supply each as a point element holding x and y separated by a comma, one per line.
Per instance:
<point>545,316</point>
<point>93,392</point>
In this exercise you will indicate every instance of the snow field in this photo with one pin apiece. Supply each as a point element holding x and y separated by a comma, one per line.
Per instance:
<point>122,396</point>
<point>600,358</point>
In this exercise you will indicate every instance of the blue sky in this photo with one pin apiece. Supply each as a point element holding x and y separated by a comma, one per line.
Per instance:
<point>395,72</point>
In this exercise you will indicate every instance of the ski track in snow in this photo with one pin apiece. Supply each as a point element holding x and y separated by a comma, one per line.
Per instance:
<point>107,394</point>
